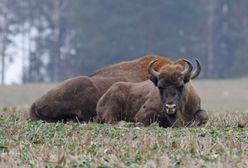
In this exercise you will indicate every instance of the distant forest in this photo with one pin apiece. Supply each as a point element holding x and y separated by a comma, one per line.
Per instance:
<point>64,38</point>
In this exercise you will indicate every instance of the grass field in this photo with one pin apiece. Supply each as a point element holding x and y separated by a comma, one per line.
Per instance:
<point>223,142</point>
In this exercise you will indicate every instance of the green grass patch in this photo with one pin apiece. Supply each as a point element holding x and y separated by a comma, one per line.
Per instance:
<point>26,143</point>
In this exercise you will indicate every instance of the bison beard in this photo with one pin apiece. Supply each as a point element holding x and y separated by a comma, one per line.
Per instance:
<point>170,90</point>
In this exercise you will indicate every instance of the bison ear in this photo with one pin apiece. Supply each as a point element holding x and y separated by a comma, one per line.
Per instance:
<point>153,79</point>
<point>186,79</point>
<point>180,62</point>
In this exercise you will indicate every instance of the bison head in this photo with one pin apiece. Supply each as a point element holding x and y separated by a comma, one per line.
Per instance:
<point>171,81</point>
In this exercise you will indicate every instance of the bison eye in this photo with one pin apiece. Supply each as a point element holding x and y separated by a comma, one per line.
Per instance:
<point>180,88</point>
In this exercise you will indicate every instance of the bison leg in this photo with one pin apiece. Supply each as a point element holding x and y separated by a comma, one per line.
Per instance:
<point>41,113</point>
<point>54,111</point>
<point>146,117</point>
<point>110,106</point>
<point>200,118</point>
<point>108,115</point>
<point>164,122</point>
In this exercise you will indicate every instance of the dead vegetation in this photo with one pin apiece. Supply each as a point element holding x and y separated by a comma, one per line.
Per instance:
<point>23,143</point>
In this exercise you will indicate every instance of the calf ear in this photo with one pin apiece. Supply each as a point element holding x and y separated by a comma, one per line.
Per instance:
<point>153,79</point>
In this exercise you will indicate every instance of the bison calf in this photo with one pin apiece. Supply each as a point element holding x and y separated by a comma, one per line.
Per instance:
<point>168,98</point>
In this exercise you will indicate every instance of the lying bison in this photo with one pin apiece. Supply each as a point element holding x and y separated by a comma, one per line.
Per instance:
<point>134,70</point>
<point>169,99</point>
<point>76,98</point>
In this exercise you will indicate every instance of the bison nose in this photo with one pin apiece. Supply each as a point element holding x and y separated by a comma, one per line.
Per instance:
<point>170,108</point>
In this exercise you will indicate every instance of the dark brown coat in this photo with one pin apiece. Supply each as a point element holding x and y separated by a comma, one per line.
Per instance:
<point>169,99</point>
<point>74,99</point>
<point>128,101</point>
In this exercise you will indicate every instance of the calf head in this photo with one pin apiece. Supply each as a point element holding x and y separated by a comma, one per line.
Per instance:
<point>171,81</point>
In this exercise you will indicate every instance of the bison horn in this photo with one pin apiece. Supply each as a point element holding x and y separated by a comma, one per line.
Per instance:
<point>188,70</point>
<point>151,71</point>
<point>197,71</point>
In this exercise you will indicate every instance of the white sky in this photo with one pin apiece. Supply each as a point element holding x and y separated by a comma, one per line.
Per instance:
<point>14,69</point>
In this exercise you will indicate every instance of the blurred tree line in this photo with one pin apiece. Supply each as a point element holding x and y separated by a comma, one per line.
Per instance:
<point>64,38</point>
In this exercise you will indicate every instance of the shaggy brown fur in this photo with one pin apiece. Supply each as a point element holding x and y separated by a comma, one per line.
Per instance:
<point>74,99</point>
<point>148,101</point>
<point>77,97</point>
<point>132,102</point>
<point>133,71</point>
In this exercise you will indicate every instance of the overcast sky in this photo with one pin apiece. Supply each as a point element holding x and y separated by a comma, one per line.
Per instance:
<point>14,72</point>
<point>14,69</point>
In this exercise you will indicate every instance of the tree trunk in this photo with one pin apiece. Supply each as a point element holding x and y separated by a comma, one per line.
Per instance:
<point>4,44</point>
<point>210,38</point>
<point>57,4</point>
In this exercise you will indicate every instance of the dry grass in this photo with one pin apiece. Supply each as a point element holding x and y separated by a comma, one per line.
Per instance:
<point>23,143</point>
<point>22,95</point>
<point>226,95</point>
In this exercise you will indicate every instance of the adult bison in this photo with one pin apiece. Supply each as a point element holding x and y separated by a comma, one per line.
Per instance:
<point>76,98</point>
<point>134,70</point>
<point>170,99</point>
